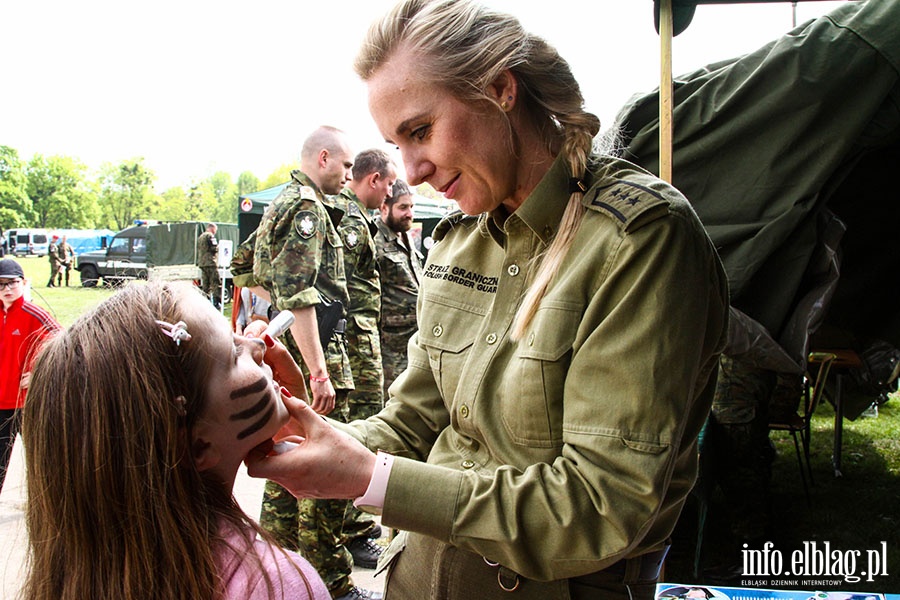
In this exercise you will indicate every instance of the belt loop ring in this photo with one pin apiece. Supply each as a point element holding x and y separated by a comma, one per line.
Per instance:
<point>503,586</point>
<point>490,563</point>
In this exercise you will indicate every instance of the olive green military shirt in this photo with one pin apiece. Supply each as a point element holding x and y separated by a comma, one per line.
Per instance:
<point>53,255</point>
<point>65,252</point>
<point>559,454</point>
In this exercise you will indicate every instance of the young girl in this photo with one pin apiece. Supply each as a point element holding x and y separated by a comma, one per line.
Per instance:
<point>138,418</point>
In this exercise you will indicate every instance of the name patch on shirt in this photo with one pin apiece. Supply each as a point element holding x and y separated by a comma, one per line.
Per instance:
<point>463,277</point>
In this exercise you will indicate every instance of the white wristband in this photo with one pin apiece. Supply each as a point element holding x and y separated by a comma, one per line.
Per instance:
<point>373,500</point>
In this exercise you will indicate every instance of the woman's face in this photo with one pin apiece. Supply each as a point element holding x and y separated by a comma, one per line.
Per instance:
<point>463,150</point>
<point>242,406</point>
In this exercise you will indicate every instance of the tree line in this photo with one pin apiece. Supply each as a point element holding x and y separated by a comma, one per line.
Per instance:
<point>60,192</point>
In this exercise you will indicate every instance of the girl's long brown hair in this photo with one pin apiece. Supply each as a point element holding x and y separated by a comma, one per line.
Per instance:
<point>116,508</point>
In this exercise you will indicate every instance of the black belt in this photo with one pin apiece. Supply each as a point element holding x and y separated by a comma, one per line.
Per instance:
<point>647,569</point>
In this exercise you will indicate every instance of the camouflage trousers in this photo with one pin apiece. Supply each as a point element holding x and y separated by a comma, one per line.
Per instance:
<point>314,528</point>
<point>364,348</point>
<point>210,282</point>
<point>739,444</point>
<point>393,352</point>
<point>357,523</point>
<point>364,400</point>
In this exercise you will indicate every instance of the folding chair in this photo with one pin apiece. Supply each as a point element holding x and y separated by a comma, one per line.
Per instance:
<point>799,424</point>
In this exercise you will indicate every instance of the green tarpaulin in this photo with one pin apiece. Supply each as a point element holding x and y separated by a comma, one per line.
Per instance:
<point>770,147</point>
<point>176,243</point>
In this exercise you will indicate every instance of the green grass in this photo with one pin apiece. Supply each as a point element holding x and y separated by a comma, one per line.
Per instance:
<point>64,303</point>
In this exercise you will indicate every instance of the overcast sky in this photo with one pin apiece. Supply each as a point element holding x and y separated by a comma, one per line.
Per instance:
<point>196,86</point>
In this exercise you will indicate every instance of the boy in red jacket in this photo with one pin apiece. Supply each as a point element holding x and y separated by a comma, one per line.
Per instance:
<point>23,329</point>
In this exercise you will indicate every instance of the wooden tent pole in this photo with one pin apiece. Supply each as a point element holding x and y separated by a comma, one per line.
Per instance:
<point>665,90</point>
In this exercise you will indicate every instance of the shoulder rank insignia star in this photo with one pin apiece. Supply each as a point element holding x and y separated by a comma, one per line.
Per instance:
<point>624,195</point>
<point>307,193</point>
<point>352,239</point>
<point>306,223</point>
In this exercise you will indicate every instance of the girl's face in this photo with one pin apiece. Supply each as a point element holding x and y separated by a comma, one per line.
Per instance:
<point>242,406</point>
<point>462,150</point>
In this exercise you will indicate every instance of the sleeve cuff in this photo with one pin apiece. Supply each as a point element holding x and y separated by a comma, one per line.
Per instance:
<point>302,299</point>
<point>373,500</point>
<point>243,279</point>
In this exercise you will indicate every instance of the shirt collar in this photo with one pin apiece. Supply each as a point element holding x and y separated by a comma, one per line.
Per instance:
<point>541,211</point>
<point>335,213</point>
<point>351,197</point>
<point>385,230</point>
<point>303,179</point>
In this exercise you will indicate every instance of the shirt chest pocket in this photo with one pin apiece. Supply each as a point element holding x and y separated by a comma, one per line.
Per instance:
<point>447,333</point>
<point>392,266</point>
<point>333,255</point>
<point>532,405</point>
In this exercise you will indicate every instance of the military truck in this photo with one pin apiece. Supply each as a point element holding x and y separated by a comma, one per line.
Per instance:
<point>164,251</point>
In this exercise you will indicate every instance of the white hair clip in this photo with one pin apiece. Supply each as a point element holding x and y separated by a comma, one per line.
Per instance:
<point>177,332</point>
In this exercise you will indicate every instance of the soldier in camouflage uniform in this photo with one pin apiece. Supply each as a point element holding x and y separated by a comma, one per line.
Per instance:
<point>53,257</point>
<point>373,179</point>
<point>66,258</point>
<point>400,267</point>
<point>296,255</point>
<point>208,261</point>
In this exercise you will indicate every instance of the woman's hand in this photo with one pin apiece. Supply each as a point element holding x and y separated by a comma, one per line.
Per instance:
<point>285,369</point>
<point>325,463</point>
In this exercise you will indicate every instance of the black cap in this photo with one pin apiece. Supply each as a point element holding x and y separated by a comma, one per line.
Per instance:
<point>10,268</point>
<point>682,14</point>
<point>401,188</point>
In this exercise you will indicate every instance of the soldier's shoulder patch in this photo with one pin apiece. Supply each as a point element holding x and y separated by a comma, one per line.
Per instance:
<point>351,237</point>
<point>449,222</point>
<point>353,210</point>
<point>629,203</point>
<point>306,223</point>
<point>307,193</point>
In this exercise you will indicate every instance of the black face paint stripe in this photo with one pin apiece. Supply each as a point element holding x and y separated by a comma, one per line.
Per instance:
<point>252,411</point>
<point>258,425</point>
<point>257,386</point>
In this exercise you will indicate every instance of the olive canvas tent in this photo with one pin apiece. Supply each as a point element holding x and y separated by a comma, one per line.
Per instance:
<point>252,206</point>
<point>789,156</point>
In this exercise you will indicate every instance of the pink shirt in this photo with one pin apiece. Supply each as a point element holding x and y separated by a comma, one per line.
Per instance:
<point>244,580</point>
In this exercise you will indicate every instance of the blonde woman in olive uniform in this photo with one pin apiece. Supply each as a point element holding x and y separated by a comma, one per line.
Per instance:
<point>544,434</point>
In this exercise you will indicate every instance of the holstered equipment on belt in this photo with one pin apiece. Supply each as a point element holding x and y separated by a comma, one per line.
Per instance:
<point>330,318</point>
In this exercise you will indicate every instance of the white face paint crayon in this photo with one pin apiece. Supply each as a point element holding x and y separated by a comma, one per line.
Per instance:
<point>282,447</point>
<point>279,324</point>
